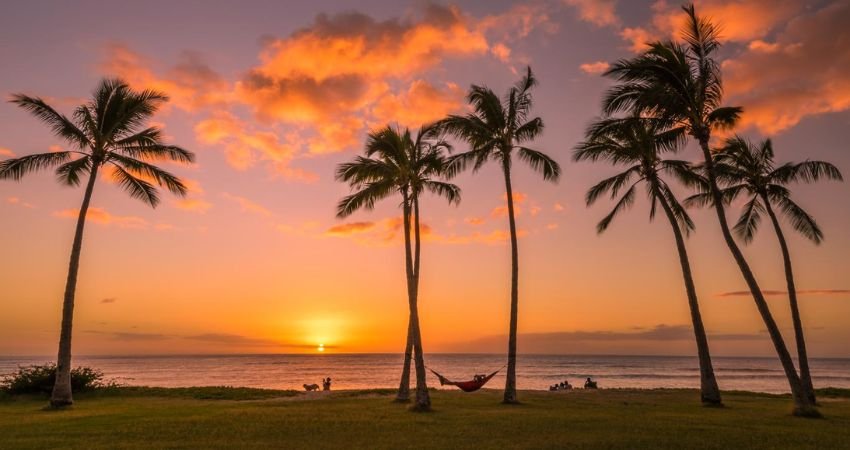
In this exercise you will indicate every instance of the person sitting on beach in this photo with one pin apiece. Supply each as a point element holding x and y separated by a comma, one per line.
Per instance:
<point>566,385</point>
<point>326,384</point>
<point>589,384</point>
<point>561,385</point>
<point>553,387</point>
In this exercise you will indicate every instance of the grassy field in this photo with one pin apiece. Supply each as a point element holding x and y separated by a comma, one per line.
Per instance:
<point>249,418</point>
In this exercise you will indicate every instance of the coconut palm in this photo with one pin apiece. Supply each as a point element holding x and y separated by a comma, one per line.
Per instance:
<point>107,132</point>
<point>640,145</point>
<point>743,168</point>
<point>396,163</point>
<point>681,84</point>
<point>496,130</point>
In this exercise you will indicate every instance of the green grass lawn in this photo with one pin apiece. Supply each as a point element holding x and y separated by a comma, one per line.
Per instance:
<point>248,418</point>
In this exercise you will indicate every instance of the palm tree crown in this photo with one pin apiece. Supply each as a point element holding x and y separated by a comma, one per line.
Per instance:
<point>745,168</point>
<point>680,83</point>
<point>395,162</point>
<point>497,127</point>
<point>639,144</point>
<point>105,131</point>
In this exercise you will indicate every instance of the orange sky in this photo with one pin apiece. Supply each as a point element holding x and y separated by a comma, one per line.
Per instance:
<point>272,98</point>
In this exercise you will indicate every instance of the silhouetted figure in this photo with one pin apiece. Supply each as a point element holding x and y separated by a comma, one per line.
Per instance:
<point>326,384</point>
<point>566,385</point>
<point>589,384</point>
<point>553,387</point>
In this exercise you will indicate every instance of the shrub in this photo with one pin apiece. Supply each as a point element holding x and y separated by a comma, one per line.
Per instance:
<point>39,379</point>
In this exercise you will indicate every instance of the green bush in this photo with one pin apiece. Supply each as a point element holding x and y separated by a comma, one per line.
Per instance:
<point>39,379</point>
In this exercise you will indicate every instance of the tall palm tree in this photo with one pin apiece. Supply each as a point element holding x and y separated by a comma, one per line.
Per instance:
<point>743,168</point>
<point>681,83</point>
<point>639,144</point>
<point>106,131</point>
<point>495,130</point>
<point>396,163</point>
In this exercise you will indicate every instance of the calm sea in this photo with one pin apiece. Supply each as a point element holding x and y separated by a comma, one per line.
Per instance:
<point>359,371</point>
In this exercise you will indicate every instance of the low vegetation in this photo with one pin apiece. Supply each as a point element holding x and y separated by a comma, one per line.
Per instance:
<point>220,417</point>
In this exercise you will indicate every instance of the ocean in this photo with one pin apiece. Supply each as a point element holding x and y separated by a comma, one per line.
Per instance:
<point>364,371</point>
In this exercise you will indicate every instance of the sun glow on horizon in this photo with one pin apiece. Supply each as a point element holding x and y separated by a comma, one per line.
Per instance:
<point>320,348</point>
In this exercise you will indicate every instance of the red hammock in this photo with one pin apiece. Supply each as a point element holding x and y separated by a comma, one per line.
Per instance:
<point>466,386</point>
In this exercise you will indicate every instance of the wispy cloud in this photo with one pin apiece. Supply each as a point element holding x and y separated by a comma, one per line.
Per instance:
<point>594,68</point>
<point>247,205</point>
<point>109,300</point>
<point>350,228</point>
<point>103,217</point>
<point>18,202</point>
<point>769,292</point>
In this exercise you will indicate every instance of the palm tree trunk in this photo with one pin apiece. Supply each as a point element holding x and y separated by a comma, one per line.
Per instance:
<point>802,405</point>
<point>802,355</point>
<point>62,395</point>
<point>709,391</point>
<point>423,399</point>
<point>403,395</point>
<point>510,381</point>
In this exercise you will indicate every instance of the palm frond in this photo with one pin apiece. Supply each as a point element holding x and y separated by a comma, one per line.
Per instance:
<point>137,188</point>
<point>69,173</point>
<point>800,220</point>
<point>161,177</point>
<point>541,163</point>
<point>16,168</point>
<point>624,203</point>
<point>365,198</point>
<point>60,125</point>
<point>449,191</point>
<point>749,221</point>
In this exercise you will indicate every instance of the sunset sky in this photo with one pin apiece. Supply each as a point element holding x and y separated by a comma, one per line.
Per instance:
<point>272,96</point>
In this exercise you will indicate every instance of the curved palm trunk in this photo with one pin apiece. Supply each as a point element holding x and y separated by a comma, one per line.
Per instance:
<point>709,391</point>
<point>802,405</point>
<point>403,394</point>
<point>802,355</point>
<point>510,381</point>
<point>423,399</point>
<point>62,395</point>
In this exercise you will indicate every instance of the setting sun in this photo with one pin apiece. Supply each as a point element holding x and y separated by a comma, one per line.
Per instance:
<point>321,348</point>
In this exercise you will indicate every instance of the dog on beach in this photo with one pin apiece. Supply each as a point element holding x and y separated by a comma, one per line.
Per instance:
<point>311,387</point>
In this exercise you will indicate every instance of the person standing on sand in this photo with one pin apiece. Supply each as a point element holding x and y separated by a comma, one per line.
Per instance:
<point>326,384</point>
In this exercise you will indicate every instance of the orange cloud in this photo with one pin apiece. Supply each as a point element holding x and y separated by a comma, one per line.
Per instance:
<point>103,217</point>
<point>802,73</point>
<point>243,146</point>
<point>350,228</point>
<point>191,84</point>
<point>474,221</point>
<point>6,152</point>
<point>326,77</point>
<point>193,204</point>
<point>422,103</point>
<point>248,205</point>
<point>598,12</point>
<point>594,68</point>
<point>17,201</point>
<point>741,20</point>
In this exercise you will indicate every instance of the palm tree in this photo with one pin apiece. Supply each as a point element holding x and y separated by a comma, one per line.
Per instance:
<point>107,131</point>
<point>681,84</point>
<point>495,130</point>
<point>396,163</point>
<point>746,169</point>
<point>640,144</point>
